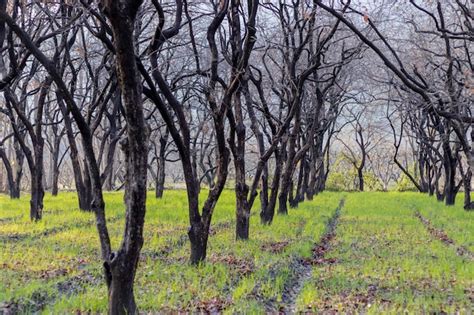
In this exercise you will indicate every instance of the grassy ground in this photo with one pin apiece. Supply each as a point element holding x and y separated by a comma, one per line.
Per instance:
<point>379,257</point>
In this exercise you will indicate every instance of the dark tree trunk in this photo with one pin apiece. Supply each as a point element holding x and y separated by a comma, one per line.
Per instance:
<point>360,179</point>
<point>37,190</point>
<point>264,190</point>
<point>468,204</point>
<point>267,213</point>
<point>121,296</point>
<point>37,193</point>
<point>160,181</point>
<point>305,183</point>
<point>13,188</point>
<point>422,166</point>
<point>242,212</point>
<point>450,189</point>
<point>18,168</point>
<point>312,185</point>
<point>291,196</point>
<point>124,265</point>
<point>284,191</point>
<point>287,177</point>
<point>294,201</point>
<point>198,235</point>
<point>87,186</point>
<point>466,182</point>
<point>55,167</point>
<point>314,168</point>
<point>161,166</point>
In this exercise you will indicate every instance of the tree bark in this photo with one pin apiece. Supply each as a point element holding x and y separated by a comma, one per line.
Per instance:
<point>161,166</point>
<point>13,188</point>
<point>360,178</point>
<point>450,189</point>
<point>267,213</point>
<point>123,265</point>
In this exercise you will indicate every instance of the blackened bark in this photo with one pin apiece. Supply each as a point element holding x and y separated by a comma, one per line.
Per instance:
<point>238,150</point>
<point>450,189</point>
<point>198,235</point>
<point>55,166</point>
<point>13,188</point>
<point>161,166</point>
<point>360,178</point>
<point>468,204</point>
<point>299,186</point>
<point>290,163</point>
<point>316,163</point>
<point>87,183</point>
<point>267,213</point>
<point>123,265</point>
<point>18,168</point>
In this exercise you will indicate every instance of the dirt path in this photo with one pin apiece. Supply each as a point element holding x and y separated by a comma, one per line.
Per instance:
<point>303,267</point>
<point>441,235</point>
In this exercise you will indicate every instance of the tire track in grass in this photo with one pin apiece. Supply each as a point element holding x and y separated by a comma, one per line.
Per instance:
<point>10,219</point>
<point>13,238</point>
<point>441,235</point>
<point>303,267</point>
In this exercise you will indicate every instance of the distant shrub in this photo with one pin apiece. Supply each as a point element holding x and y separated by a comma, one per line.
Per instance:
<point>405,184</point>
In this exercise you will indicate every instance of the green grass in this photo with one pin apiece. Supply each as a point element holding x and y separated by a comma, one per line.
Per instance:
<point>388,263</point>
<point>385,257</point>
